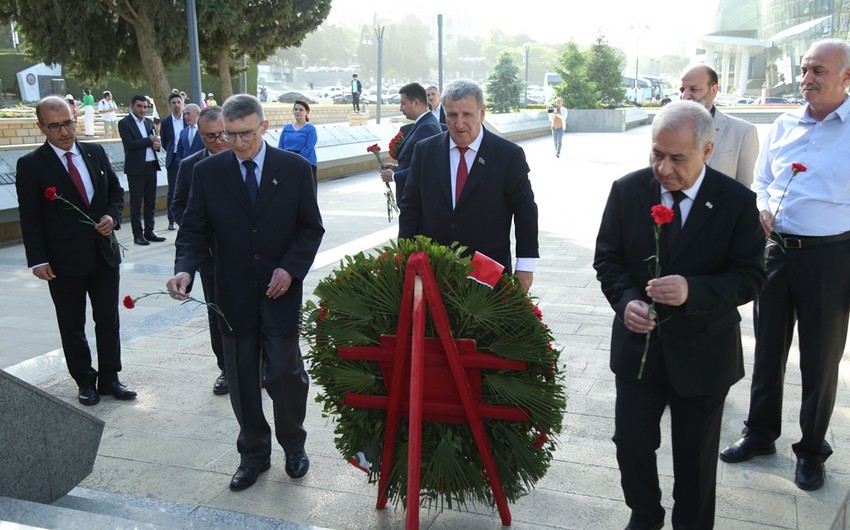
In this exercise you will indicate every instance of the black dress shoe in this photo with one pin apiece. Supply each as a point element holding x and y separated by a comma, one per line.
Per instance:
<point>171,226</point>
<point>141,241</point>
<point>245,477</point>
<point>115,389</point>
<point>297,464</point>
<point>88,396</point>
<point>635,523</point>
<point>744,449</point>
<point>150,236</point>
<point>221,386</point>
<point>809,474</point>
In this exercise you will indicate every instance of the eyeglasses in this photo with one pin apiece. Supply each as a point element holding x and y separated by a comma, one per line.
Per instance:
<point>69,125</point>
<point>211,138</point>
<point>246,136</point>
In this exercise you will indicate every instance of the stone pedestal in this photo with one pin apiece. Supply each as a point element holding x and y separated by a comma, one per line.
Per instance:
<point>49,446</point>
<point>358,118</point>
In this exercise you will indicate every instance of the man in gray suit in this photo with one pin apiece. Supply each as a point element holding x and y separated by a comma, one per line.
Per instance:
<point>736,143</point>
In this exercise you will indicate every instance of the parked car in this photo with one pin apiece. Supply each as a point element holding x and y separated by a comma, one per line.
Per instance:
<point>290,97</point>
<point>344,98</point>
<point>774,101</point>
<point>331,91</point>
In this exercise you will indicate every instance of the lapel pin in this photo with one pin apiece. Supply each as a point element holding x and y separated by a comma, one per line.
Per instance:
<point>480,160</point>
<point>709,205</point>
<point>274,181</point>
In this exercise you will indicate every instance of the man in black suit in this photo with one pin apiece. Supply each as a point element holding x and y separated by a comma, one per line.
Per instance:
<point>258,205</point>
<point>414,107</point>
<point>169,129</point>
<point>433,95</point>
<point>141,166</point>
<point>469,185</point>
<point>190,141</point>
<point>74,257</point>
<point>210,129</point>
<point>712,261</point>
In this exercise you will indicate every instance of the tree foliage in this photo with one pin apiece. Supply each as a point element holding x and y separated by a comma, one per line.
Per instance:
<point>137,40</point>
<point>592,78</point>
<point>504,86</point>
<point>576,89</point>
<point>605,70</point>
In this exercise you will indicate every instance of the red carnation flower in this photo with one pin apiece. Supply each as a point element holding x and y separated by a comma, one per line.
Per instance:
<point>797,167</point>
<point>50,193</point>
<point>662,214</point>
<point>129,303</point>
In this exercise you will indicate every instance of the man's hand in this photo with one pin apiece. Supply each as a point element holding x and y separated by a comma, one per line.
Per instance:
<point>668,290</point>
<point>155,143</point>
<point>526,278</point>
<point>178,284</point>
<point>387,173</point>
<point>105,226</point>
<point>637,319</point>
<point>766,219</point>
<point>43,272</point>
<point>279,284</point>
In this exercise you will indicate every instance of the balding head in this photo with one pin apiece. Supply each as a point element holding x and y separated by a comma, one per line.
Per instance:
<point>699,83</point>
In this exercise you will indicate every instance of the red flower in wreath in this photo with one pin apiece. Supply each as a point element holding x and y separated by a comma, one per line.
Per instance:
<point>395,145</point>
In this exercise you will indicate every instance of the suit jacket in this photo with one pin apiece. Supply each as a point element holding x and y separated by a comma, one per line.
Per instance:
<point>284,229</point>
<point>184,148</point>
<point>135,145</point>
<point>497,193</point>
<point>426,127</point>
<point>736,147</point>
<point>166,132</point>
<point>52,231</point>
<point>720,251</point>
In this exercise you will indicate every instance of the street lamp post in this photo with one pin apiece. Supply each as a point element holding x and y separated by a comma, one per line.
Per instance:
<point>637,29</point>
<point>379,36</point>
<point>526,76</point>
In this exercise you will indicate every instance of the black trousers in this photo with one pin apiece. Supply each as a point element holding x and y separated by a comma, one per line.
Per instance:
<point>809,287</point>
<point>208,284</point>
<point>695,435</point>
<point>143,190</point>
<point>171,172</point>
<point>286,383</point>
<point>355,100</point>
<point>69,299</point>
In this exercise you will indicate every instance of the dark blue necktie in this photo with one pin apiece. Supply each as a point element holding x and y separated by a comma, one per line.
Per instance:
<point>251,180</point>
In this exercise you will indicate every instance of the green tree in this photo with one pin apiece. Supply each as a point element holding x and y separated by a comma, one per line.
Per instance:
<point>576,89</point>
<point>405,50</point>
<point>504,86</point>
<point>605,70</point>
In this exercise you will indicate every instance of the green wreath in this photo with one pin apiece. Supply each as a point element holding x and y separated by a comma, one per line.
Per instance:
<point>360,301</point>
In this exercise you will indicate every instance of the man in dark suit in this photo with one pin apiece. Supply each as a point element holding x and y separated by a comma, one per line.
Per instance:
<point>433,95</point>
<point>141,166</point>
<point>74,257</point>
<point>258,205</point>
<point>712,260</point>
<point>170,128</point>
<point>469,185</point>
<point>210,129</point>
<point>190,141</point>
<point>414,107</point>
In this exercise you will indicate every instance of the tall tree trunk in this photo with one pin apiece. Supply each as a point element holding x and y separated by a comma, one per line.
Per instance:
<point>155,73</point>
<point>225,80</point>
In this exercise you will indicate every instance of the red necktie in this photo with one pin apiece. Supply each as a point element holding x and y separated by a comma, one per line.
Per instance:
<point>462,173</point>
<point>76,178</point>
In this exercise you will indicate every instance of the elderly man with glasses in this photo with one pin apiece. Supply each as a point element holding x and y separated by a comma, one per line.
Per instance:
<point>257,205</point>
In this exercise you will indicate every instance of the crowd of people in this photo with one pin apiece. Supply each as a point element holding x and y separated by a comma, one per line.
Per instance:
<point>769,225</point>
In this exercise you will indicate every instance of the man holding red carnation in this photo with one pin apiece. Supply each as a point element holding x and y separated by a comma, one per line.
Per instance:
<point>414,106</point>
<point>680,315</point>
<point>67,243</point>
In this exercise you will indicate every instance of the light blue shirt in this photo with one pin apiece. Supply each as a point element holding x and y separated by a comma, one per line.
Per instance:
<point>817,201</point>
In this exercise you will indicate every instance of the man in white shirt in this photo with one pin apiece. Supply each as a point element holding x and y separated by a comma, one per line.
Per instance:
<point>558,120</point>
<point>108,115</point>
<point>433,94</point>
<point>802,191</point>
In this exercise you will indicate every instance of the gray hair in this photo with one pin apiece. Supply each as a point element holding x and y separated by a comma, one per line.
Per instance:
<point>685,114</point>
<point>240,106</point>
<point>192,106</point>
<point>461,89</point>
<point>212,113</point>
<point>839,44</point>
